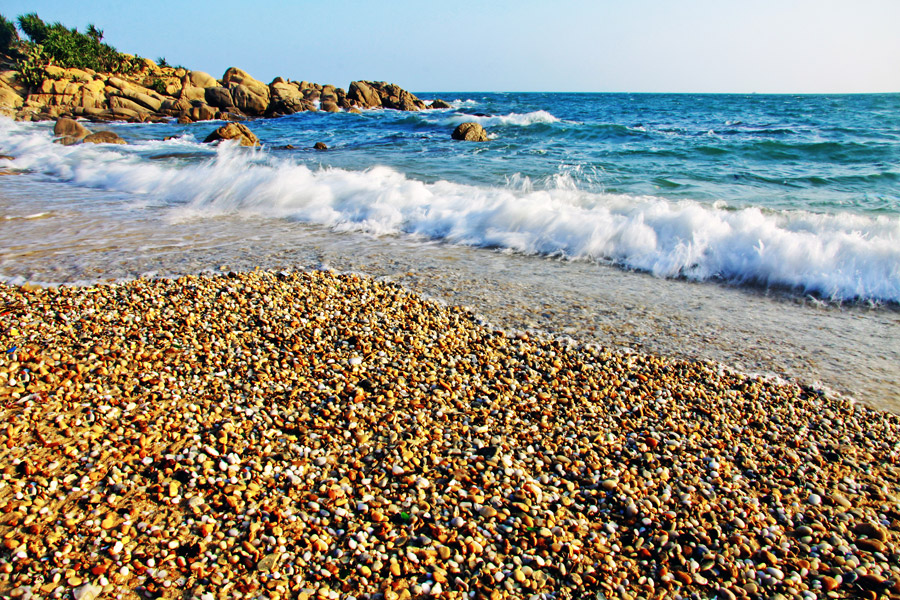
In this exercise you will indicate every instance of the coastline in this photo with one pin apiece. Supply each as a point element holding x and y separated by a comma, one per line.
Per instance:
<point>268,426</point>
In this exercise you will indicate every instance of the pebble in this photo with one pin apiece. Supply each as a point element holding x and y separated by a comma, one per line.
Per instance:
<point>319,435</point>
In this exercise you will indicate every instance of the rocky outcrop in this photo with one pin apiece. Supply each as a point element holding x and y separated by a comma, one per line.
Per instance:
<point>378,94</point>
<point>233,131</point>
<point>156,93</point>
<point>470,132</point>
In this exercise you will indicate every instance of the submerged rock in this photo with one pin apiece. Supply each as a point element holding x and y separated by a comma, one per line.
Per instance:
<point>470,132</point>
<point>233,131</point>
<point>104,137</point>
<point>70,128</point>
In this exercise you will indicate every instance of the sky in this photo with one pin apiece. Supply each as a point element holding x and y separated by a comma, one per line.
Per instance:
<point>679,46</point>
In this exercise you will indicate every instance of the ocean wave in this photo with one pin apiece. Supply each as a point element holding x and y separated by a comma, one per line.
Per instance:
<point>516,119</point>
<point>841,256</point>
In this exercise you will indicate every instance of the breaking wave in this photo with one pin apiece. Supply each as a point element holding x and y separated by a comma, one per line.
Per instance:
<point>838,256</point>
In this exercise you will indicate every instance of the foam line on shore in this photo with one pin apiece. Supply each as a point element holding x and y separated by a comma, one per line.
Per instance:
<point>838,257</point>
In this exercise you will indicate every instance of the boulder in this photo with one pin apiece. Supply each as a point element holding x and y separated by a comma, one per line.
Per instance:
<point>192,92</point>
<point>329,106</point>
<point>220,97</point>
<point>175,107</point>
<point>126,113</point>
<point>320,146</point>
<point>11,80</point>
<point>328,94</point>
<point>70,128</point>
<point>103,137</point>
<point>247,100</point>
<point>204,112</point>
<point>233,131</point>
<point>286,99</point>
<point>235,75</point>
<point>250,95</point>
<point>120,102</point>
<point>364,94</point>
<point>438,103</point>
<point>201,80</point>
<point>148,99</point>
<point>72,74</point>
<point>9,99</point>
<point>470,132</point>
<point>92,95</point>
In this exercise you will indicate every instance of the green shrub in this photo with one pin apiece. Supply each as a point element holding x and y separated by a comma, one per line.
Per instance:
<point>9,37</point>
<point>31,65</point>
<point>67,48</point>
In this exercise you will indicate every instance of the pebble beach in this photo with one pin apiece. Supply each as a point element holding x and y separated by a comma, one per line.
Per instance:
<point>318,435</point>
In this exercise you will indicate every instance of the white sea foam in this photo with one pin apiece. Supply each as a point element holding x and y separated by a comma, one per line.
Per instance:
<point>516,119</point>
<point>837,256</point>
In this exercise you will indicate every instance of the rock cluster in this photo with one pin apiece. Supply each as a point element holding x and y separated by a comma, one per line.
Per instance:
<point>372,94</point>
<point>156,93</point>
<point>312,435</point>
<point>69,131</point>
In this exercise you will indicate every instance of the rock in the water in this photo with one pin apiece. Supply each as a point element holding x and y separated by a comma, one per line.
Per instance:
<point>364,94</point>
<point>233,131</point>
<point>329,107</point>
<point>70,128</point>
<point>320,146</point>
<point>470,132</point>
<point>438,103</point>
<point>103,137</point>
<point>378,94</point>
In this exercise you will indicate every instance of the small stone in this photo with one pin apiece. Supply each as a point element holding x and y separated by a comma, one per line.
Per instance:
<point>870,545</point>
<point>487,512</point>
<point>268,563</point>
<point>88,591</point>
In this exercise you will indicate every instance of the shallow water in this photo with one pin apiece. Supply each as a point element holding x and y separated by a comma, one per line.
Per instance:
<point>853,350</point>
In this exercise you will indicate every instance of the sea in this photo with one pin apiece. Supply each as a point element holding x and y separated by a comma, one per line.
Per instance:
<point>758,231</point>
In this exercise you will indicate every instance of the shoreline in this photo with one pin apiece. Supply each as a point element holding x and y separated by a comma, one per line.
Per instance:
<point>181,435</point>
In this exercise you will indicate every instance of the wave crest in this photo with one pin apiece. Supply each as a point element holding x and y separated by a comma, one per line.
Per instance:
<point>842,257</point>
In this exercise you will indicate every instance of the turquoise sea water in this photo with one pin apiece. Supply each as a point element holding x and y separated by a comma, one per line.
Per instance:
<point>584,213</point>
<point>794,192</point>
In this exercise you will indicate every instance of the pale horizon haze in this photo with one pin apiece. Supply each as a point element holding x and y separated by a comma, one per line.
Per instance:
<point>693,46</point>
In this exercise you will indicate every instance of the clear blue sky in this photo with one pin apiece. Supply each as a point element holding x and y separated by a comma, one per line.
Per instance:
<point>782,46</point>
